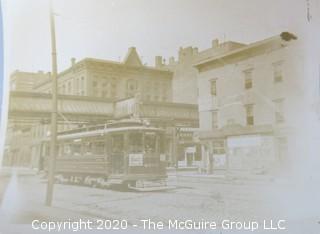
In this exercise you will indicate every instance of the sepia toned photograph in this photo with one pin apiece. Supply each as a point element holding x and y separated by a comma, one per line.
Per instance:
<point>160,116</point>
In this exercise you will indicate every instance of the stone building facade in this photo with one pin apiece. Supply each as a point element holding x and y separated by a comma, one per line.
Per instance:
<point>26,81</point>
<point>113,80</point>
<point>249,97</point>
<point>185,88</point>
<point>185,75</point>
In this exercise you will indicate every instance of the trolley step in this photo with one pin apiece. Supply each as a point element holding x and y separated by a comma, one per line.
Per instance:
<point>150,189</point>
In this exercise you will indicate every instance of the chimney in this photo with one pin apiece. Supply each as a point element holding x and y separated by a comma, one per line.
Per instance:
<point>73,62</point>
<point>215,43</point>
<point>158,61</point>
<point>195,50</point>
<point>171,61</point>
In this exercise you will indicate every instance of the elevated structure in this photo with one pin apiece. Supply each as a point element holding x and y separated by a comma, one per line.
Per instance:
<point>36,106</point>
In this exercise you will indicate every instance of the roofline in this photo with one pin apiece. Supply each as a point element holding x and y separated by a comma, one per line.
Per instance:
<point>169,104</point>
<point>17,71</point>
<point>60,96</point>
<point>89,59</point>
<point>240,50</point>
<point>123,64</point>
<point>105,131</point>
<point>265,129</point>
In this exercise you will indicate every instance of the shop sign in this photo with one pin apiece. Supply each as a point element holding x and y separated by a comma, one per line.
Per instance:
<point>190,150</point>
<point>244,141</point>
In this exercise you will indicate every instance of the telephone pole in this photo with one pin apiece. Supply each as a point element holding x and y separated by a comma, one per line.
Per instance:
<point>53,135</point>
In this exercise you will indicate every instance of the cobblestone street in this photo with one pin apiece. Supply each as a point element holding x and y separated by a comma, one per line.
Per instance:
<point>195,198</point>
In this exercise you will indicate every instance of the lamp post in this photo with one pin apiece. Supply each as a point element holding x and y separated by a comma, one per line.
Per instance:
<point>53,135</point>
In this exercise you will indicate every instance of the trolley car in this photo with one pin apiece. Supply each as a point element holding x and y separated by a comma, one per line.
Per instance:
<point>126,153</point>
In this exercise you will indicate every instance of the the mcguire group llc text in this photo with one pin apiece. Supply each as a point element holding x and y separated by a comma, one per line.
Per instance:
<point>148,224</point>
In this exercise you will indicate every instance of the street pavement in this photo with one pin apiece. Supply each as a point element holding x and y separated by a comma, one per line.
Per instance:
<point>195,197</point>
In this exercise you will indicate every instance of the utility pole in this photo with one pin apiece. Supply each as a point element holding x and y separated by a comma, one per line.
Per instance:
<point>53,135</point>
<point>175,144</point>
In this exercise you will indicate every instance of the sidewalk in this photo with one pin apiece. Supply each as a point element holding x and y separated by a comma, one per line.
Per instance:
<point>21,171</point>
<point>24,202</point>
<point>223,178</point>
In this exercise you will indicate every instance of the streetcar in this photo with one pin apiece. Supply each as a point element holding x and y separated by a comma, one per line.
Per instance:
<point>127,153</point>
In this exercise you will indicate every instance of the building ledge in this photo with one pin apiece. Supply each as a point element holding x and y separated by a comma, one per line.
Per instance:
<point>237,130</point>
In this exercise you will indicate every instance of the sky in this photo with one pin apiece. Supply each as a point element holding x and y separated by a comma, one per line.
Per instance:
<point>105,28</point>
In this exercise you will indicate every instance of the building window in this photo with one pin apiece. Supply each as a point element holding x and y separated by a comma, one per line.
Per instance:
<point>113,89</point>
<point>104,94</point>
<point>77,85</point>
<point>63,89</point>
<point>82,82</point>
<point>278,107</point>
<point>218,147</point>
<point>69,88</point>
<point>248,83</point>
<point>214,119</point>
<point>248,79</point>
<point>213,87</point>
<point>132,87</point>
<point>164,89</point>
<point>249,114</point>
<point>147,86</point>
<point>277,72</point>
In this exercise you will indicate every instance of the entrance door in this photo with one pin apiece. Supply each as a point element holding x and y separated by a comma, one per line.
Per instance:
<point>189,157</point>
<point>117,162</point>
<point>117,154</point>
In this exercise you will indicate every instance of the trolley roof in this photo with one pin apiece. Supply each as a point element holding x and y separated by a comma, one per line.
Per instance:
<point>105,131</point>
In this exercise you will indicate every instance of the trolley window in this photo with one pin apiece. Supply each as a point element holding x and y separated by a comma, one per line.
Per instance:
<point>76,149</point>
<point>135,142</point>
<point>87,148</point>
<point>60,150</point>
<point>98,147</point>
<point>117,143</point>
<point>66,149</point>
<point>150,142</point>
<point>46,149</point>
<point>162,148</point>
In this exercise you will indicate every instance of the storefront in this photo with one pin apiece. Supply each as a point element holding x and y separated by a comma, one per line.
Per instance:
<point>189,151</point>
<point>251,153</point>
<point>239,149</point>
